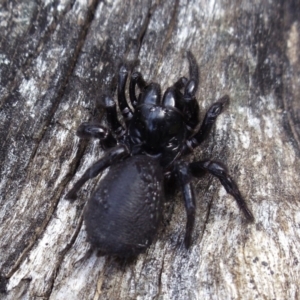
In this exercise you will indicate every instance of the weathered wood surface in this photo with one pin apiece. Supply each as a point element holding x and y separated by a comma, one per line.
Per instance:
<point>56,59</point>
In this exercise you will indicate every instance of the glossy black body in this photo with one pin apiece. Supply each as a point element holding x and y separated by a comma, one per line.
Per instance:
<point>124,212</point>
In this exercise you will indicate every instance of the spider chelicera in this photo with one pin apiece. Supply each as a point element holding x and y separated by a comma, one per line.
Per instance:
<point>123,214</point>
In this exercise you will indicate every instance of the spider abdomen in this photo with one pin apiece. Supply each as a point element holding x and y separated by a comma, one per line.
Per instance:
<point>124,212</point>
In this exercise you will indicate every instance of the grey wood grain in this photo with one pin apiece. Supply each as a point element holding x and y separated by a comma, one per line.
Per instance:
<point>58,58</point>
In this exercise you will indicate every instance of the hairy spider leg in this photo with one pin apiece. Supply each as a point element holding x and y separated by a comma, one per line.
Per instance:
<point>113,155</point>
<point>184,178</point>
<point>126,111</point>
<point>136,80</point>
<point>198,169</point>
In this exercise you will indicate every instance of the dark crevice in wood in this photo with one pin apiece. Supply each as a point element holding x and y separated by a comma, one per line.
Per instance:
<point>72,65</point>
<point>291,106</point>
<point>289,124</point>
<point>161,270</point>
<point>47,35</point>
<point>171,26</point>
<point>35,236</point>
<point>3,283</point>
<point>31,141</point>
<point>62,255</point>
<point>145,26</point>
<point>21,68</point>
<point>168,35</point>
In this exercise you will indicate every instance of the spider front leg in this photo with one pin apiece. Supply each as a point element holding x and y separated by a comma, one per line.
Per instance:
<point>136,80</point>
<point>112,156</point>
<point>184,178</point>
<point>180,83</point>
<point>210,118</point>
<point>112,117</point>
<point>198,169</point>
<point>186,102</point>
<point>193,70</point>
<point>182,94</point>
<point>88,130</point>
<point>124,107</point>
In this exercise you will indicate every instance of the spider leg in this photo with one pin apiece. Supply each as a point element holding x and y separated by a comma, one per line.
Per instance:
<point>217,169</point>
<point>184,177</point>
<point>113,155</point>
<point>192,110</point>
<point>209,120</point>
<point>136,80</point>
<point>190,86</point>
<point>88,130</point>
<point>186,101</point>
<point>181,83</point>
<point>193,69</point>
<point>112,117</point>
<point>124,107</point>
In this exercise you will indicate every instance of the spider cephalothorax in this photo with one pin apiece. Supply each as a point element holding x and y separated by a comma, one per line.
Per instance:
<point>124,212</point>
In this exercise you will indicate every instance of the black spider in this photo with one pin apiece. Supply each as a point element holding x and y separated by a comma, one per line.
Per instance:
<point>124,212</point>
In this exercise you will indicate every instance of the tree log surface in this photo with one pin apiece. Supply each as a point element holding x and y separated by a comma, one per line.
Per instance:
<point>58,58</point>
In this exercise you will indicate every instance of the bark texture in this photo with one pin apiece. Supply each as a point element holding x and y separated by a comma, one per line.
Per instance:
<point>57,59</point>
